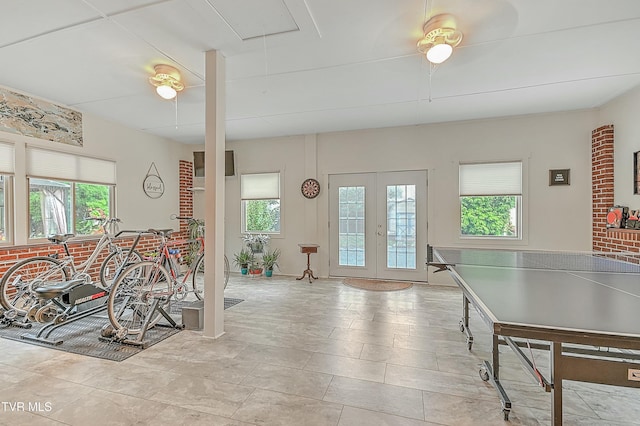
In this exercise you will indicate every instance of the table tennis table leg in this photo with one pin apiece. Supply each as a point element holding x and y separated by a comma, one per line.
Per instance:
<point>464,322</point>
<point>491,372</point>
<point>556,380</point>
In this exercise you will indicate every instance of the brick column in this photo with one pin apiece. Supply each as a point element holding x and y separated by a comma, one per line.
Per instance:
<point>186,194</point>
<point>602,140</point>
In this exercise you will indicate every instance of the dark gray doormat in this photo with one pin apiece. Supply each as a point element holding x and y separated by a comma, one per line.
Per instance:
<point>229,302</point>
<point>176,307</point>
<point>82,336</point>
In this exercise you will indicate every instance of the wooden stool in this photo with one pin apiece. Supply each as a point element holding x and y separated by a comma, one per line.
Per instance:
<point>308,249</point>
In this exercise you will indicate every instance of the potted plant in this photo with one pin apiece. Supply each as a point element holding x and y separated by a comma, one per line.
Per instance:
<point>270,260</point>
<point>255,268</point>
<point>243,259</point>
<point>255,242</point>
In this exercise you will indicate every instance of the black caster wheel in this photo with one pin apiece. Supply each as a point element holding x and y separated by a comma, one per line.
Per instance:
<point>484,375</point>
<point>505,413</point>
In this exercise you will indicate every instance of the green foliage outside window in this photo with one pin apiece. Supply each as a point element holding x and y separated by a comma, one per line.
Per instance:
<point>488,216</point>
<point>91,201</point>
<point>262,215</point>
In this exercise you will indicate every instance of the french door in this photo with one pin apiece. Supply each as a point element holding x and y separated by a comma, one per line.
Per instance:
<point>378,225</point>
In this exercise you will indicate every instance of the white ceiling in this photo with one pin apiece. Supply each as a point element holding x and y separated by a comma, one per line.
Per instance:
<point>311,66</point>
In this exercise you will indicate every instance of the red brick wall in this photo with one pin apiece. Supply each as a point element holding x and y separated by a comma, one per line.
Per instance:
<point>81,250</point>
<point>602,149</point>
<point>602,184</point>
<point>186,195</point>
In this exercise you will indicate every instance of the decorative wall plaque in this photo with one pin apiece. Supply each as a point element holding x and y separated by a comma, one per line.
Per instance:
<point>153,185</point>
<point>559,177</point>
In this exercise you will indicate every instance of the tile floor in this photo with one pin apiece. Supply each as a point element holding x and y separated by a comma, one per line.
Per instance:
<point>300,354</point>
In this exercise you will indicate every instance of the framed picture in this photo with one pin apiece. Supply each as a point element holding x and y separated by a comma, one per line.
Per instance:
<point>636,172</point>
<point>559,177</point>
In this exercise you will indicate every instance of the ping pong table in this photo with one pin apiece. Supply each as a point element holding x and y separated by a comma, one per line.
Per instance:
<point>583,308</point>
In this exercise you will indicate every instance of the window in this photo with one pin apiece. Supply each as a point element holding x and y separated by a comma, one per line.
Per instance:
<point>260,194</point>
<point>64,189</point>
<point>6,171</point>
<point>490,200</point>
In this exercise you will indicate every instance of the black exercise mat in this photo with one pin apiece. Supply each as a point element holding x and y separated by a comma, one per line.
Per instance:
<point>82,337</point>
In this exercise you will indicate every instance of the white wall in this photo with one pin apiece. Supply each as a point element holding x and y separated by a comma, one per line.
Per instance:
<point>556,218</point>
<point>623,113</point>
<point>133,152</point>
<point>285,155</point>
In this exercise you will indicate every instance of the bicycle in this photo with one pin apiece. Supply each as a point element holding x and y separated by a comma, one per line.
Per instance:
<point>18,285</point>
<point>140,295</point>
<point>195,241</point>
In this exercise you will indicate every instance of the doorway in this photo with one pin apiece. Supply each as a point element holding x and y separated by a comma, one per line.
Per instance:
<point>378,225</point>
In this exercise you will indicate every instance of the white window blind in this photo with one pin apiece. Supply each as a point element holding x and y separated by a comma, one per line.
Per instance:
<point>6,158</point>
<point>491,179</point>
<point>61,165</point>
<point>260,186</point>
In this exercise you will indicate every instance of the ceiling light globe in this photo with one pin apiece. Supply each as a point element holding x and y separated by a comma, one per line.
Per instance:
<point>166,92</point>
<point>439,53</point>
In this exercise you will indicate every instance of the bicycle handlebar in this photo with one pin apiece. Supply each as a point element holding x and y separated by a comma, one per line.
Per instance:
<point>166,233</point>
<point>175,216</point>
<point>103,219</point>
<point>132,231</point>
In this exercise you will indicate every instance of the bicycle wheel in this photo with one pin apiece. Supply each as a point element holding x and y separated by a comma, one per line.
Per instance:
<point>17,285</point>
<point>132,297</point>
<point>198,276</point>
<point>112,264</point>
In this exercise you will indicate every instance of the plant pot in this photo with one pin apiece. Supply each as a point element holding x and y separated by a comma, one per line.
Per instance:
<point>257,271</point>
<point>268,272</point>
<point>244,271</point>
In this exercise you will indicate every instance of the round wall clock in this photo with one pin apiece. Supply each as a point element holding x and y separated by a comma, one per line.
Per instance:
<point>310,188</point>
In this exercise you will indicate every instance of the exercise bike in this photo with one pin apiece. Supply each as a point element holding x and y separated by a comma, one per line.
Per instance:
<point>60,303</point>
<point>63,303</point>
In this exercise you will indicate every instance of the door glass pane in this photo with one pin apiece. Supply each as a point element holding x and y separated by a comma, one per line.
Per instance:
<point>401,226</point>
<point>351,240</point>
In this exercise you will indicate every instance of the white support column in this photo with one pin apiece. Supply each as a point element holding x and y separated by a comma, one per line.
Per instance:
<point>214,194</point>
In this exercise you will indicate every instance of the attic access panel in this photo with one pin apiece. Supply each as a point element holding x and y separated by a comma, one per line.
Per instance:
<point>256,18</point>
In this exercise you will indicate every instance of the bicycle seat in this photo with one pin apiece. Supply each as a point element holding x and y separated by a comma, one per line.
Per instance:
<point>60,238</point>
<point>51,291</point>
<point>162,232</point>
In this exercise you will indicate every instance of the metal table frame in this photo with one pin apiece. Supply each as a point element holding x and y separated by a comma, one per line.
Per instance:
<point>587,362</point>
